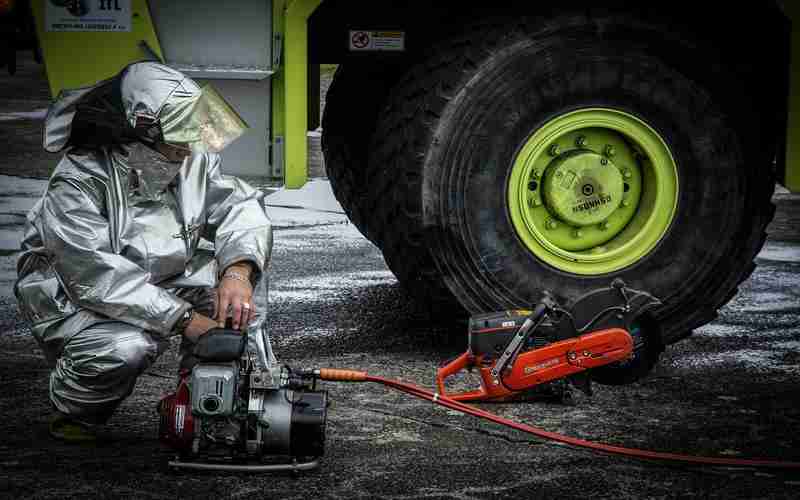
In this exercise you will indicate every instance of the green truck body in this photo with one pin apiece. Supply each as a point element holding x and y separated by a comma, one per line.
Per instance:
<point>290,26</point>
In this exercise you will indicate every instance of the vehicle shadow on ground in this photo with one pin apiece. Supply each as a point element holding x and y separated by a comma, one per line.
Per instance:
<point>375,319</point>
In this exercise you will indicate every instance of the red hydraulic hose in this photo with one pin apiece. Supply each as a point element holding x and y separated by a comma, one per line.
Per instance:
<point>419,392</point>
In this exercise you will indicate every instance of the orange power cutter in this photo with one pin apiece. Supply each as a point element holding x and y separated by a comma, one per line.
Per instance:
<point>517,350</point>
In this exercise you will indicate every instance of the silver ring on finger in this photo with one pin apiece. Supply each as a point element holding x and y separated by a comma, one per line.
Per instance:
<point>246,306</point>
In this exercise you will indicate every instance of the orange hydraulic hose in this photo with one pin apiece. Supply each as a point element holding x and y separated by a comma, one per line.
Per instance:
<point>419,392</point>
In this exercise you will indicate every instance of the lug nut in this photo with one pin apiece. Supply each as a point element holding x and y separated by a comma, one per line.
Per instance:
<point>603,162</point>
<point>604,225</point>
<point>535,174</point>
<point>536,202</point>
<point>586,353</point>
<point>610,151</point>
<point>578,233</point>
<point>572,355</point>
<point>581,142</point>
<point>533,185</point>
<point>559,174</point>
<point>626,173</point>
<point>626,203</point>
<point>554,150</point>
<point>551,224</point>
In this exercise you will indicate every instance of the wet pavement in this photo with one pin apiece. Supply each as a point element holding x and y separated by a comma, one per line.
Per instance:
<point>732,389</point>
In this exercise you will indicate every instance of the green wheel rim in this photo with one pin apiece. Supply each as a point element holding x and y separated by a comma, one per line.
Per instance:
<point>593,191</point>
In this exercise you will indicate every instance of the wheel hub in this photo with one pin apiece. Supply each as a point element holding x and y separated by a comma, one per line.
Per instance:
<point>582,188</point>
<point>592,191</point>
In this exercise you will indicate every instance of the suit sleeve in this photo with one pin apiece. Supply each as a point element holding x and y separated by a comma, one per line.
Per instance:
<point>77,236</point>
<point>236,222</point>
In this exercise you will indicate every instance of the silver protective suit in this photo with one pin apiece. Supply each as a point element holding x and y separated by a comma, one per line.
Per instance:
<point>113,256</point>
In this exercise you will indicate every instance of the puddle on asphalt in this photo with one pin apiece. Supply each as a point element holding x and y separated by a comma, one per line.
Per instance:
<point>292,296</point>
<point>791,345</point>
<point>38,114</point>
<point>752,359</point>
<point>780,252</point>
<point>746,330</point>
<point>19,195</point>
<point>764,302</point>
<point>313,333</point>
<point>12,194</point>
<point>10,240</point>
<point>331,238</point>
<point>24,185</point>
<point>722,330</point>
<point>321,287</point>
<point>11,219</point>
<point>398,436</point>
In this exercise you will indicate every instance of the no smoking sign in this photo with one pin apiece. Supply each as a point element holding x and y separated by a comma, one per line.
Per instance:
<point>387,41</point>
<point>359,40</point>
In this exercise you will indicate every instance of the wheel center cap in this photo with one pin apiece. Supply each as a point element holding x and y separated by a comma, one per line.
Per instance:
<point>582,187</point>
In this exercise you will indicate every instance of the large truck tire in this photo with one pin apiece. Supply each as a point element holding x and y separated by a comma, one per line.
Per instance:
<point>351,111</point>
<point>559,155</point>
<point>354,101</point>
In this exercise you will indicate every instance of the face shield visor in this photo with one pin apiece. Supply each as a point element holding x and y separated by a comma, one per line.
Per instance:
<point>203,123</point>
<point>188,123</point>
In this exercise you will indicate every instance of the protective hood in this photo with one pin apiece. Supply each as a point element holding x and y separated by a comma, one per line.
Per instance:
<point>60,122</point>
<point>147,103</point>
<point>170,108</point>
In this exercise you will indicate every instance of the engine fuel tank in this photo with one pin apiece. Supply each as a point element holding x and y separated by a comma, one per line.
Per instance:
<point>213,387</point>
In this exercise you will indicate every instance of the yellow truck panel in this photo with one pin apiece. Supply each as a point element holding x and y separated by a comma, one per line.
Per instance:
<point>77,59</point>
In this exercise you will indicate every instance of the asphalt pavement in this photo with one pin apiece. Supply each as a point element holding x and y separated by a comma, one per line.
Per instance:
<point>732,389</point>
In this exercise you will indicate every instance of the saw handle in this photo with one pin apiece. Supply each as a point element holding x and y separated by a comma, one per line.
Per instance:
<point>466,360</point>
<point>490,386</point>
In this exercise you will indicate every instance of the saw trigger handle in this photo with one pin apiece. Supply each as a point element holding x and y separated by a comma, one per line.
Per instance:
<point>463,362</point>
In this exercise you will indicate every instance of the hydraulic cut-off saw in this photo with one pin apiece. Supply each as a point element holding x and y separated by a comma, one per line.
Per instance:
<point>515,351</point>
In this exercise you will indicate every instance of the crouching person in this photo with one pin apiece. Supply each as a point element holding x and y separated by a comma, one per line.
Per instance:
<point>139,237</point>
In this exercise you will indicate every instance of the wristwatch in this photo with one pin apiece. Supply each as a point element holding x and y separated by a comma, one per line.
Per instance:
<point>183,322</point>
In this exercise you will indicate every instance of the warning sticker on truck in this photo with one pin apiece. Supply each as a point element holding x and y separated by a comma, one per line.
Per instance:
<point>83,15</point>
<point>386,41</point>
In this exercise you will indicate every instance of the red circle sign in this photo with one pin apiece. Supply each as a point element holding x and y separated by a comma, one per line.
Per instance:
<point>360,39</point>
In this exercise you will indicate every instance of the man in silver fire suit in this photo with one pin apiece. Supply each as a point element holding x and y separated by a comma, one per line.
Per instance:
<point>139,237</point>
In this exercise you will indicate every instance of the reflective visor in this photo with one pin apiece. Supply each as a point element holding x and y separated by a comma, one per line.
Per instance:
<point>206,122</point>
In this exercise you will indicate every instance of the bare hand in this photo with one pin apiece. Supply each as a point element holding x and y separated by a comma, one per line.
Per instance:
<point>198,326</point>
<point>237,294</point>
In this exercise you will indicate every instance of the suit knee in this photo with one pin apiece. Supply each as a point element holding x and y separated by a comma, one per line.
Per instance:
<point>133,354</point>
